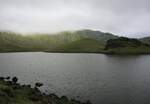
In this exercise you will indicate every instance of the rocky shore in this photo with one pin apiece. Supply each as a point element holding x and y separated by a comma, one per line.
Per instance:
<point>12,92</point>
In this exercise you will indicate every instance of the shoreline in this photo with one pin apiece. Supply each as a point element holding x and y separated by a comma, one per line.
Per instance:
<point>12,92</point>
<point>104,53</point>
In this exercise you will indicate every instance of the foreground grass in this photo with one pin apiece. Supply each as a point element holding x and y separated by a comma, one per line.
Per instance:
<point>11,93</point>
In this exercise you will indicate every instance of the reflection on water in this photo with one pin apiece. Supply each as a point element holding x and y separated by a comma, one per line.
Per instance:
<point>104,79</point>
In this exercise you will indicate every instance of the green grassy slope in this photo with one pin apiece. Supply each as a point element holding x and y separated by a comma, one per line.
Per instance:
<point>78,41</point>
<point>84,45</point>
<point>13,42</point>
<point>10,95</point>
<point>145,40</point>
<point>98,35</point>
<point>14,93</point>
<point>124,45</point>
<point>119,45</point>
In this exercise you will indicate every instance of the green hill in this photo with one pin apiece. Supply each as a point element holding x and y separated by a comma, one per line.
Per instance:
<point>82,41</point>
<point>124,45</point>
<point>13,42</point>
<point>81,46</point>
<point>145,40</point>
<point>98,35</point>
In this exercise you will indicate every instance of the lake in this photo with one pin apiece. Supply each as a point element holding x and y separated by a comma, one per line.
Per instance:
<point>103,79</point>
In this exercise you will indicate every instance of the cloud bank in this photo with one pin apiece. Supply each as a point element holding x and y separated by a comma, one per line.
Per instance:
<point>123,17</point>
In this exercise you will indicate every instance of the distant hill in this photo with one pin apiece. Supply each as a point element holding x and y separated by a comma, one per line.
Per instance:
<point>86,33</point>
<point>86,45</point>
<point>98,35</point>
<point>146,40</point>
<point>123,45</point>
<point>81,41</point>
<point>13,42</point>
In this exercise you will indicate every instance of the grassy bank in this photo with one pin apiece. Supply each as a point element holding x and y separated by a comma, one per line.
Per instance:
<point>13,93</point>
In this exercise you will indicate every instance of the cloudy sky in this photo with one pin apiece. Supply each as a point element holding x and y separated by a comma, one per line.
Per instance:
<point>122,17</point>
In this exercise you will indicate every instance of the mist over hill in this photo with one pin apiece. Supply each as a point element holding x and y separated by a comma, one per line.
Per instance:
<point>67,41</point>
<point>16,42</point>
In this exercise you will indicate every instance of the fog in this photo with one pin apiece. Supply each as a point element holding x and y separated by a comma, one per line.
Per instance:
<point>123,17</point>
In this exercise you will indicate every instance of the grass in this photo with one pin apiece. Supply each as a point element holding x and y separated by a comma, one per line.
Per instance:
<point>24,94</point>
<point>81,46</point>
<point>70,42</point>
<point>8,95</point>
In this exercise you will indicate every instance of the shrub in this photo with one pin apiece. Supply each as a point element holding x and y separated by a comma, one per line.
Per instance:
<point>14,80</point>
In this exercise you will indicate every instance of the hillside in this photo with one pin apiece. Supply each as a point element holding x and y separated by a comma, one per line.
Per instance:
<point>145,40</point>
<point>124,45</point>
<point>82,41</point>
<point>98,35</point>
<point>86,45</point>
<point>12,92</point>
<point>13,42</point>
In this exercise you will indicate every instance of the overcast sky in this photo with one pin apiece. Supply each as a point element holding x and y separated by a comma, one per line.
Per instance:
<point>122,17</point>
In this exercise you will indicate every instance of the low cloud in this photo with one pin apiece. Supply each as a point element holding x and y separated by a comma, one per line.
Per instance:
<point>122,17</point>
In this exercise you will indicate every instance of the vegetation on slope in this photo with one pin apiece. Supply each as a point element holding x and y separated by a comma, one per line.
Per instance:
<point>98,35</point>
<point>82,41</point>
<point>145,40</point>
<point>12,42</point>
<point>124,45</point>
<point>13,93</point>
<point>81,46</point>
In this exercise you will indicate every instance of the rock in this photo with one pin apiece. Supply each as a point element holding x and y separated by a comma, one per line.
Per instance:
<point>64,99</point>
<point>38,84</point>
<point>2,78</point>
<point>7,78</point>
<point>14,80</point>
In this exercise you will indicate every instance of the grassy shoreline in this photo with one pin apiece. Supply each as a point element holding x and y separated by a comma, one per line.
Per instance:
<point>104,53</point>
<point>12,92</point>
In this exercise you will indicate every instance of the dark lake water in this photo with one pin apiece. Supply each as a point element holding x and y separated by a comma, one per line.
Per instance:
<point>103,79</point>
